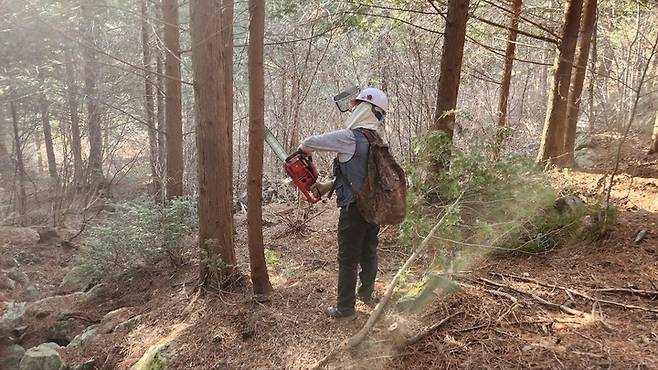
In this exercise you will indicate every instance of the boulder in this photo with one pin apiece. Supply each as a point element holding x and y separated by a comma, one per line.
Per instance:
<point>585,158</point>
<point>30,294</point>
<point>112,319</point>
<point>583,140</point>
<point>43,357</point>
<point>6,283</point>
<point>18,235</point>
<point>129,324</point>
<point>156,357</point>
<point>7,261</point>
<point>75,280</point>
<point>10,357</point>
<point>19,277</point>
<point>60,333</point>
<point>13,314</point>
<point>82,341</point>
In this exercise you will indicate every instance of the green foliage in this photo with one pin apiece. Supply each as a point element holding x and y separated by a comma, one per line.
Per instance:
<point>136,234</point>
<point>271,259</point>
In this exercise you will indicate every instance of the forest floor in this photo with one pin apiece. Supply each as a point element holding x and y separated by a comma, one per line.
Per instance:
<point>486,330</point>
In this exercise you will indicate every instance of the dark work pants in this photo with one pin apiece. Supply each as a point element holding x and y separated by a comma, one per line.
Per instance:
<point>357,245</point>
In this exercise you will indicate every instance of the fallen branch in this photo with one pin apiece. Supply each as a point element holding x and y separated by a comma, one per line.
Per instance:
<point>569,310</point>
<point>416,338</point>
<point>645,293</point>
<point>357,338</point>
<point>578,293</point>
<point>494,292</point>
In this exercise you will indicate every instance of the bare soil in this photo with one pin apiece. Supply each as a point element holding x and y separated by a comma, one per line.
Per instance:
<point>230,331</point>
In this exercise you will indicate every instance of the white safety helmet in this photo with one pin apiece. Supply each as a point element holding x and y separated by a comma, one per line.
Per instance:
<point>375,97</point>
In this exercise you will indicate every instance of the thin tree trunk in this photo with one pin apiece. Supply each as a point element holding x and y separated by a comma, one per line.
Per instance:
<point>451,65</point>
<point>20,166</point>
<point>214,142</point>
<point>173,115</point>
<point>162,129</point>
<point>259,276</point>
<point>552,142</point>
<point>148,104</point>
<point>507,79</point>
<point>654,138</point>
<point>72,95</point>
<point>577,80</point>
<point>47,132</point>
<point>592,77</point>
<point>94,132</point>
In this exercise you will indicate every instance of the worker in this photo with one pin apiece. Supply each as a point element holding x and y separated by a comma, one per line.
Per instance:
<point>357,239</point>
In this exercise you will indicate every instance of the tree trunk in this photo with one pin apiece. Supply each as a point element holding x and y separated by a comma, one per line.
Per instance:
<point>90,30</point>
<point>148,104</point>
<point>72,95</point>
<point>259,277</point>
<point>552,142</point>
<point>47,132</point>
<point>210,54</point>
<point>162,129</point>
<point>507,78</point>
<point>173,115</point>
<point>20,166</point>
<point>654,138</point>
<point>451,65</point>
<point>577,79</point>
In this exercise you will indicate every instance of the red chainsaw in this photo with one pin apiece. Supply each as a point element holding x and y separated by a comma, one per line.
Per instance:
<point>299,167</point>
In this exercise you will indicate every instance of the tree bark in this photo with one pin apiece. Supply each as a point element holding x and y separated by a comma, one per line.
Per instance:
<point>451,65</point>
<point>72,96</point>
<point>578,78</point>
<point>552,142</point>
<point>90,30</point>
<point>259,276</point>
<point>20,166</point>
<point>173,115</point>
<point>592,77</point>
<point>148,103</point>
<point>507,78</point>
<point>47,132</point>
<point>654,138</point>
<point>210,54</point>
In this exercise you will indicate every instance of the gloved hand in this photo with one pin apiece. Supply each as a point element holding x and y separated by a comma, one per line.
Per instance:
<point>321,188</point>
<point>304,152</point>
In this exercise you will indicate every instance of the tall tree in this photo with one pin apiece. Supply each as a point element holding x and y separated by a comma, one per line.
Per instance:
<point>210,23</point>
<point>173,115</point>
<point>148,103</point>
<point>654,138</point>
<point>47,131</point>
<point>552,142</point>
<point>91,31</point>
<point>259,276</point>
<point>72,99</point>
<point>20,165</point>
<point>578,78</point>
<point>451,66</point>
<point>501,122</point>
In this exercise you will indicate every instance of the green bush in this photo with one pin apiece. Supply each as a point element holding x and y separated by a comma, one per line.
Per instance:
<point>138,233</point>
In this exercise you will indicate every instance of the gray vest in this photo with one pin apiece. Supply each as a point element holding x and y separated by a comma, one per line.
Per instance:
<point>351,174</point>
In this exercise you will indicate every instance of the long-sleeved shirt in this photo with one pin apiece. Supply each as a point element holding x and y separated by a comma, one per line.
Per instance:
<point>340,141</point>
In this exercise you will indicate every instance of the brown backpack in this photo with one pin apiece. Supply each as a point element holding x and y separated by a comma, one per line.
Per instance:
<point>382,199</point>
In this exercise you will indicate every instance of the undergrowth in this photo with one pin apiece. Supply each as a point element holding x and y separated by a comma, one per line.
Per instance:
<point>138,233</point>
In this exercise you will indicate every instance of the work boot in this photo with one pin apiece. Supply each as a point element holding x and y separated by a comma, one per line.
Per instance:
<point>334,313</point>
<point>369,301</point>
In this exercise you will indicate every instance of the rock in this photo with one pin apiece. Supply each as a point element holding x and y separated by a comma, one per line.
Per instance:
<point>59,333</point>
<point>48,235</point>
<point>18,235</point>
<point>585,158</point>
<point>6,283</point>
<point>75,280</point>
<point>129,324</point>
<point>10,357</point>
<point>30,294</point>
<point>82,341</point>
<point>43,357</point>
<point>93,293</point>
<point>8,262</point>
<point>89,365</point>
<point>156,357</point>
<point>583,140</point>
<point>13,314</point>
<point>52,345</point>
<point>19,277</point>
<point>571,205</point>
<point>112,319</point>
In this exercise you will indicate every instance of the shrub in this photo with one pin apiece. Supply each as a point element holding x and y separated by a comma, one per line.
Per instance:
<point>138,233</point>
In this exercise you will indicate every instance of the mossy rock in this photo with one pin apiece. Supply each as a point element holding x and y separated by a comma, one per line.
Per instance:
<point>156,357</point>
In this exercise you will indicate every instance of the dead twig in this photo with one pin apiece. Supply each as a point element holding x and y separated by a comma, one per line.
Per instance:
<point>578,293</point>
<point>640,292</point>
<point>494,292</point>
<point>419,336</point>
